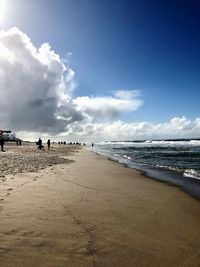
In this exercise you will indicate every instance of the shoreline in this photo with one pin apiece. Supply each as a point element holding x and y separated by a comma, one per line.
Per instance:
<point>173,178</point>
<point>95,212</point>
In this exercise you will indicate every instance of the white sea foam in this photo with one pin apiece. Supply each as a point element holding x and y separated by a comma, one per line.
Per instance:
<point>192,174</point>
<point>127,157</point>
<point>147,143</point>
<point>174,155</point>
<point>195,142</point>
<point>171,168</point>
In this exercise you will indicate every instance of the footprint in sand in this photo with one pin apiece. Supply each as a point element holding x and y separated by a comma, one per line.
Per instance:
<point>11,232</point>
<point>29,233</point>
<point>9,189</point>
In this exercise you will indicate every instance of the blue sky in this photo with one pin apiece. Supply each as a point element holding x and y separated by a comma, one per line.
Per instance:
<point>149,46</point>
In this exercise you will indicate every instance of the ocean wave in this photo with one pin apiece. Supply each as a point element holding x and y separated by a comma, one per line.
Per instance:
<point>127,157</point>
<point>177,143</point>
<point>181,156</point>
<point>153,143</point>
<point>195,142</point>
<point>171,168</point>
<point>186,154</point>
<point>191,173</point>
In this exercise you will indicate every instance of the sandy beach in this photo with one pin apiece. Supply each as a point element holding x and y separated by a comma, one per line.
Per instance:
<point>71,207</point>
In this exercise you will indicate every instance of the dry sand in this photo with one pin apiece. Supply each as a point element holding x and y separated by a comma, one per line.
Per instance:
<point>91,212</point>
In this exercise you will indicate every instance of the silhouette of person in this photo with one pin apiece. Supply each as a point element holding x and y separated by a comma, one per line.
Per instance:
<point>48,143</point>
<point>2,143</point>
<point>39,143</point>
<point>92,144</point>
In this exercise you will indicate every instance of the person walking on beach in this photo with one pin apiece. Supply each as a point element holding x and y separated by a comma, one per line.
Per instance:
<point>2,144</point>
<point>48,143</point>
<point>39,143</point>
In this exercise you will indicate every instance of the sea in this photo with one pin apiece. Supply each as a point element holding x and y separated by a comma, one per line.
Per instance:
<point>176,162</point>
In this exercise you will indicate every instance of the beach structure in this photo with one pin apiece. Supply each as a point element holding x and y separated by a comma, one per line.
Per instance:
<point>4,131</point>
<point>8,136</point>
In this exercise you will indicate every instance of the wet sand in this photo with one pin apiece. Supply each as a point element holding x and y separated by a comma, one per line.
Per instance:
<point>90,211</point>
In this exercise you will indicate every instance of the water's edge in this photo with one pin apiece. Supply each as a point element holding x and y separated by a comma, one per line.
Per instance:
<point>169,177</point>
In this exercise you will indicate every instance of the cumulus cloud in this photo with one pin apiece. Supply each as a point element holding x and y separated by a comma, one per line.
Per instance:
<point>108,108</point>
<point>35,86</point>
<point>197,123</point>
<point>37,90</point>
<point>119,130</point>
<point>36,96</point>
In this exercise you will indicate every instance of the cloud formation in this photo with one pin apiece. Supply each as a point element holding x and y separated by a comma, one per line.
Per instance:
<point>119,130</point>
<point>35,86</point>
<point>37,90</point>
<point>36,97</point>
<point>108,108</point>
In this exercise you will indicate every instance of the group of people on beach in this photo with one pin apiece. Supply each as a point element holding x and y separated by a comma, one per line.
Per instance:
<point>40,146</point>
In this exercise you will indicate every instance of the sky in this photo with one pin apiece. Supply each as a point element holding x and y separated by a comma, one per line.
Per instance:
<point>97,70</point>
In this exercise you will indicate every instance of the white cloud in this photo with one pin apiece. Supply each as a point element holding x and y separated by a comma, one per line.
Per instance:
<point>128,95</point>
<point>35,86</point>
<point>180,123</point>
<point>197,123</point>
<point>119,130</point>
<point>108,108</point>
<point>69,55</point>
<point>37,90</point>
<point>36,98</point>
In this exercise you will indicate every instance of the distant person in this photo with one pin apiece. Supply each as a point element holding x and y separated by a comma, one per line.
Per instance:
<point>39,143</point>
<point>2,143</point>
<point>48,143</point>
<point>92,144</point>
